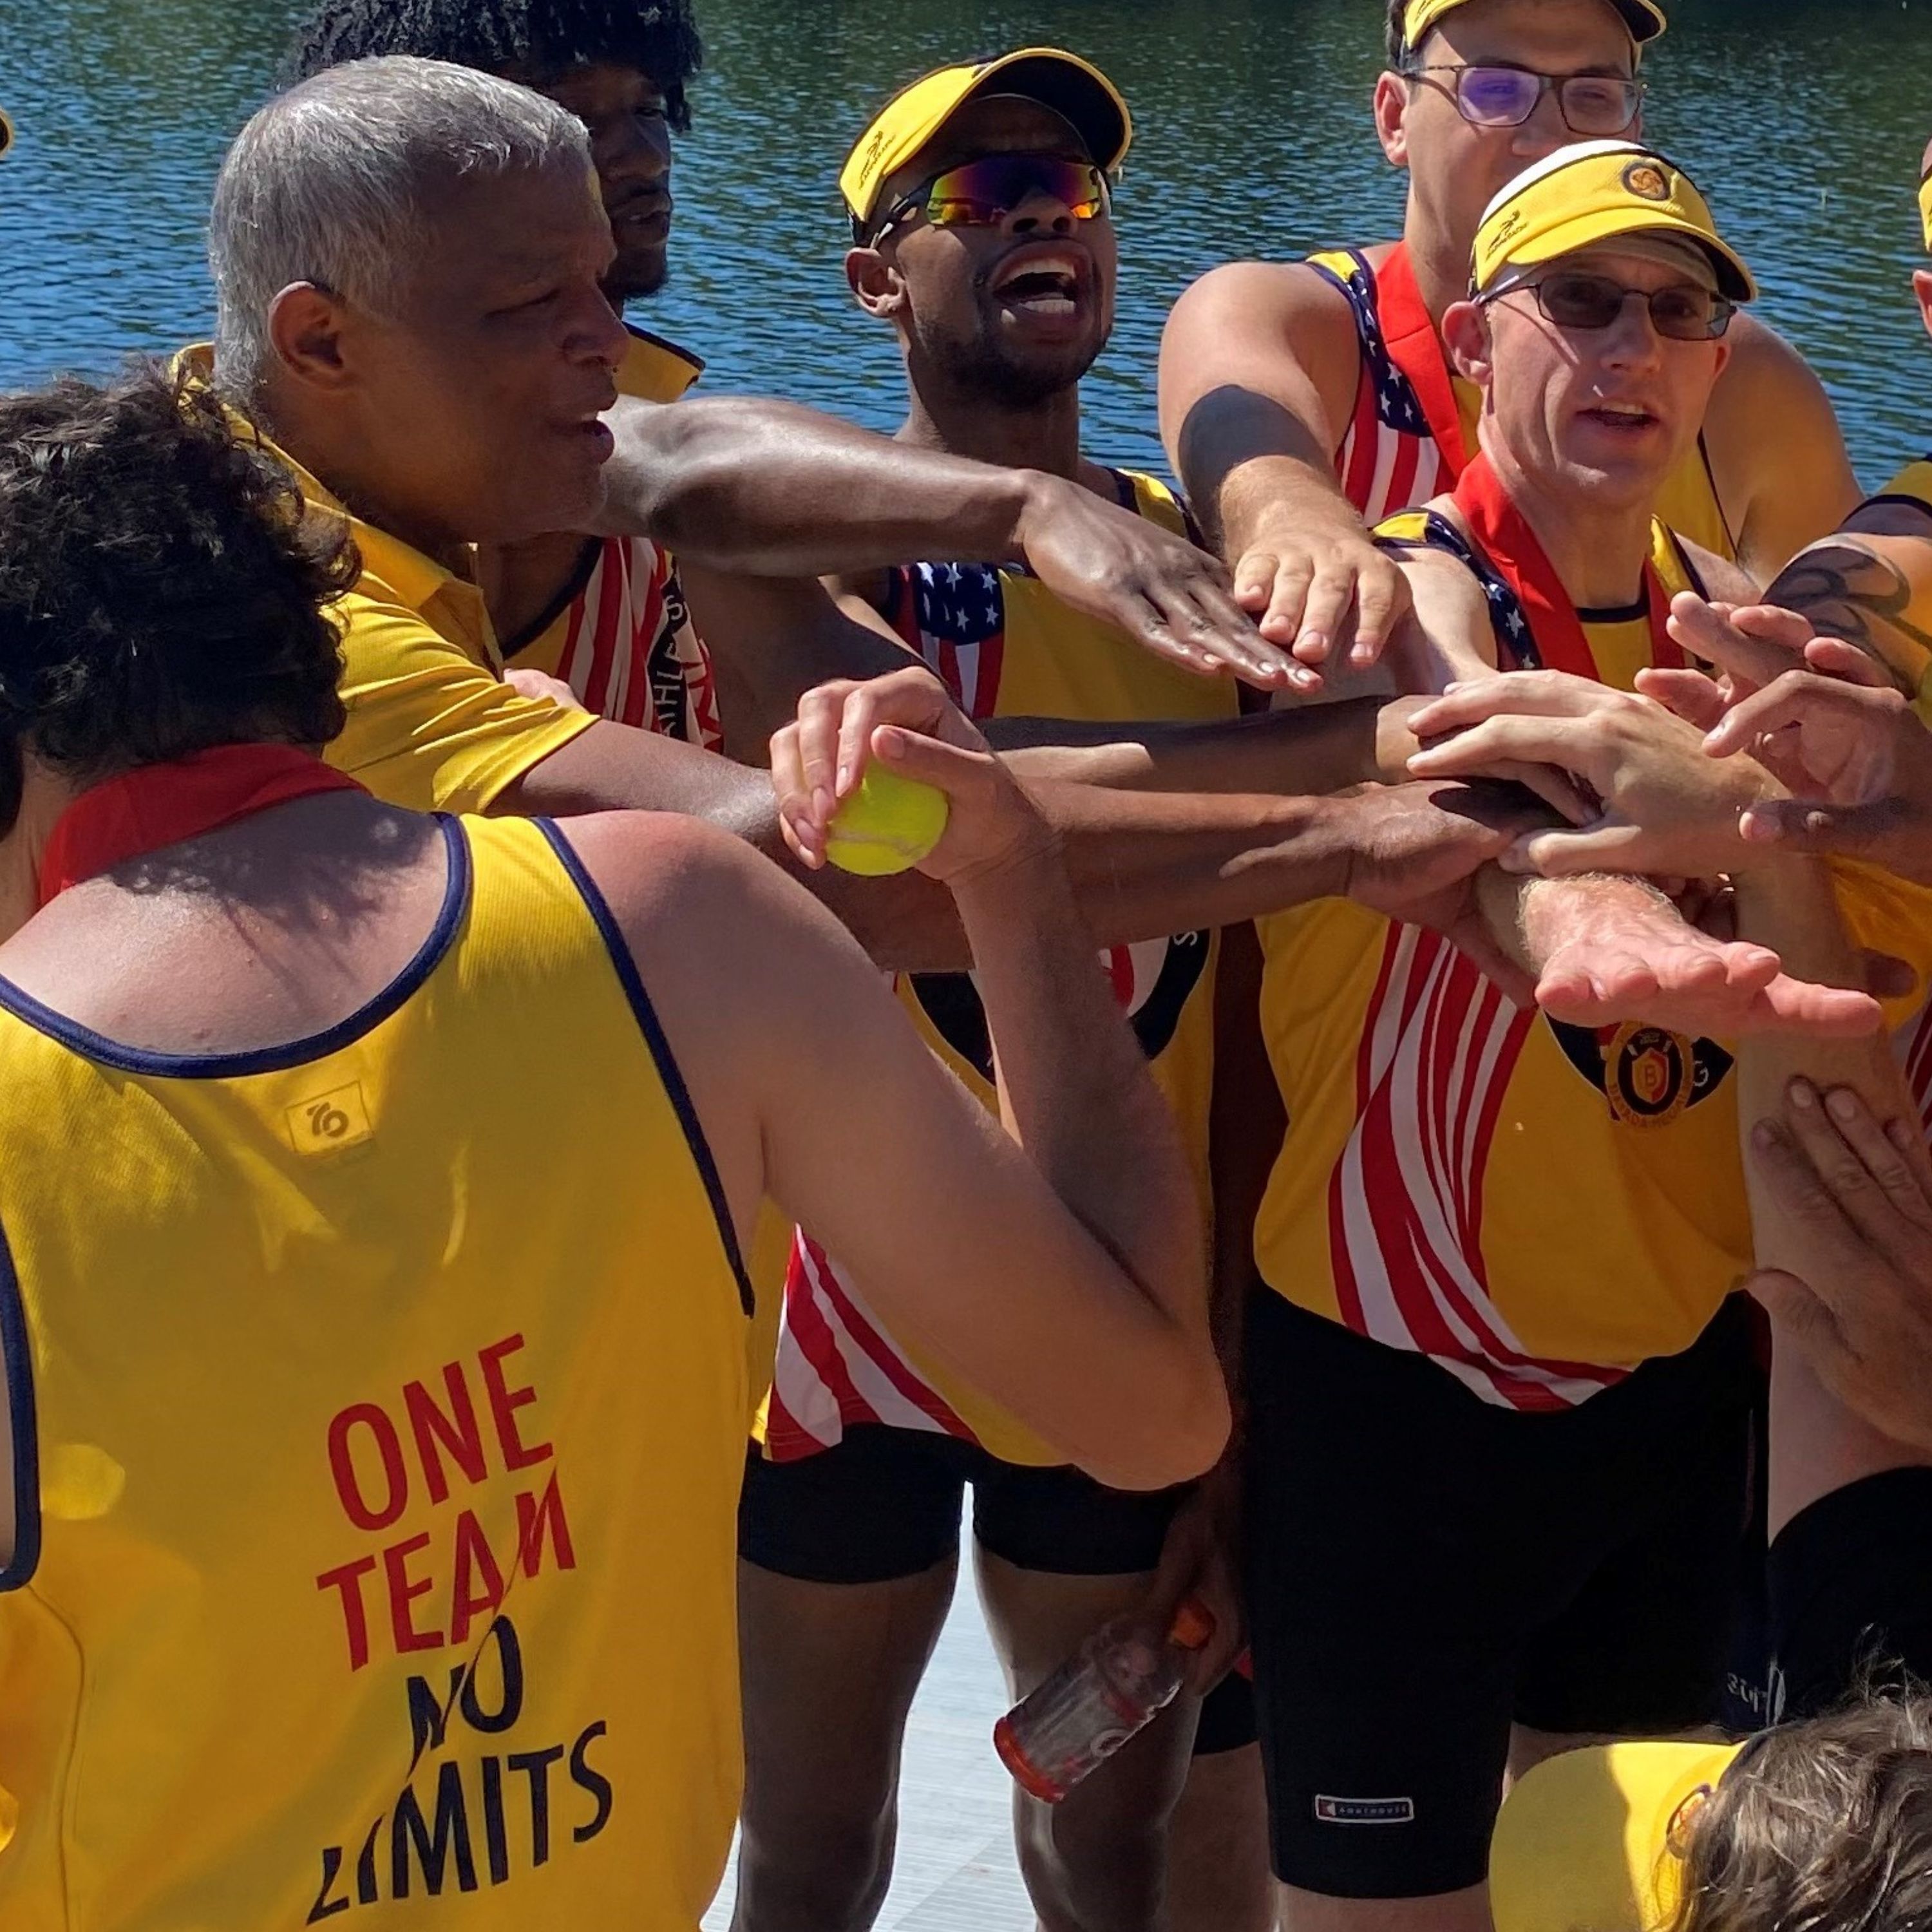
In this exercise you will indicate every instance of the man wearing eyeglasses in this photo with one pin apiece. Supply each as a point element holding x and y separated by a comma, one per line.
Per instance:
<point>1298,400</point>
<point>980,200</point>
<point>1498,1400</point>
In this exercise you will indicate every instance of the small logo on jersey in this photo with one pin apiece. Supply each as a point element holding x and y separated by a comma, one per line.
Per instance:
<point>1364,1810</point>
<point>1647,1075</point>
<point>1647,181</point>
<point>330,1124</point>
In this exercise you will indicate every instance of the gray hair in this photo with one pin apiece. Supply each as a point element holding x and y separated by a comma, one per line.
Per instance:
<point>328,184</point>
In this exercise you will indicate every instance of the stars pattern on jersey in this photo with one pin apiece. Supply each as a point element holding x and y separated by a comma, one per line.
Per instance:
<point>1396,402</point>
<point>955,616</point>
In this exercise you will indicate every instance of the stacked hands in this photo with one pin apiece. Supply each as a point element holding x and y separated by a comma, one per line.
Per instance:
<point>1796,747</point>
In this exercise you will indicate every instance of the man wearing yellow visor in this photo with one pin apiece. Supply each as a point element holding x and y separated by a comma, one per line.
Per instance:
<point>980,203</point>
<point>1827,1824</point>
<point>1498,1403</point>
<point>1298,400</point>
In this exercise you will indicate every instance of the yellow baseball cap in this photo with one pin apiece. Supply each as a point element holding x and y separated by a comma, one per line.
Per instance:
<point>1644,18</point>
<point>1925,198</point>
<point>1595,1837</point>
<point>1588,193</point>
<point>1074,88</point>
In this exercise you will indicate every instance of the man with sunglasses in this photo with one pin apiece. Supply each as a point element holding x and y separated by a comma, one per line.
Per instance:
<point>981,220</point>
<point>1499,1399</point>
<point>1298,400</point>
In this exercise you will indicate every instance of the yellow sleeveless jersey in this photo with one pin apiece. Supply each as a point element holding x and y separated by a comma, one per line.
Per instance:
<point>1006,647</point>
<point>377,1476</point>
<point>1539,1208</point>
<point>1388,458</point>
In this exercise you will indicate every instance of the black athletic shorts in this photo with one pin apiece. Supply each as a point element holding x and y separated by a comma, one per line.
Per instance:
<point>886,1503</point>
<point>1851,1594</point>
<point>1425,1568</point>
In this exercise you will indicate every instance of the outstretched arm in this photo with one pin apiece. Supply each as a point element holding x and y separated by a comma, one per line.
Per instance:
<point>1663,808</point>
<point>1258,369</point>
<point>1059,1266</point>
<point>773,489</point>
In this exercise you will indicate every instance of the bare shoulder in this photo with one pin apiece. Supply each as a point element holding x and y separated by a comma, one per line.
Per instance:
<point>1768,395</point>
<point>1291,300</point>
<point>1724,582</point>
<point>652,866</point>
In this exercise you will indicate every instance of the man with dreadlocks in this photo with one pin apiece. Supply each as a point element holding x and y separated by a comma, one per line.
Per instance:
<point>608,615</point>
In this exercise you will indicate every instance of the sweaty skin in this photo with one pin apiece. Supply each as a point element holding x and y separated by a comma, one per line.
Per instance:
<point>1259,362</point>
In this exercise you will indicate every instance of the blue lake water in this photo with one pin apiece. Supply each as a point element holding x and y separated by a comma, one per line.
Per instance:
<point>1803,121</point>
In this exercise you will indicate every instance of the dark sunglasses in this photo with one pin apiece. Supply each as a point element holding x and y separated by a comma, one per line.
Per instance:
<point>1682,313</point>
<point>981,194</point>
<point>1506,96</point>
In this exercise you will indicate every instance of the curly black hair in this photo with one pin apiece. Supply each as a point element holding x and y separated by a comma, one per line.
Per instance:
<point>163,585</point>
<point>533,41</point>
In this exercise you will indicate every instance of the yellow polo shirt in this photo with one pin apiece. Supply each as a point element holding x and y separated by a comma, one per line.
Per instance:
<point>432,725</point>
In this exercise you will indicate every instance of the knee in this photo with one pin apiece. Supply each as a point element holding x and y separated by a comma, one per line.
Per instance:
<point>1093,1871</point>
<point>826,1873</point>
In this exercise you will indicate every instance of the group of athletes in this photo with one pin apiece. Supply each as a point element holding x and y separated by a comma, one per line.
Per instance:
<point>1473,1233</point>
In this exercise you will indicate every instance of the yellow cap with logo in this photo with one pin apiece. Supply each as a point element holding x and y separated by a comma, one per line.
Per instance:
<point>1583,195</point>
<point>1074,88</point>
<point>1595,1837</point>
<point>1644,18</point>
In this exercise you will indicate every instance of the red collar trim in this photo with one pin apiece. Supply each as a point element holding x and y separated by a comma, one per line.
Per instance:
<point>155,806</point>
<point>1414,345</point>
<point>1502,533</point>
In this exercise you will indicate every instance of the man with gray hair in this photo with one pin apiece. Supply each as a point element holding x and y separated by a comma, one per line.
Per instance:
<point>408,256</point>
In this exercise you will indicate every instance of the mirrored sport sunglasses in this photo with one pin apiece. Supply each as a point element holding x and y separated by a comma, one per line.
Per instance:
<point>979,193</point>
<point>1682,313</point>
<point>1506,96</point>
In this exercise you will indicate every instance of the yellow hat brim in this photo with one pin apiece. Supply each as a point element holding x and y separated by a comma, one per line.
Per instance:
<point>1586,1838</point>
<point>1591,230</point>
<point>1073,88</point>
<point>1925,210</point>
<point>1645,18</point>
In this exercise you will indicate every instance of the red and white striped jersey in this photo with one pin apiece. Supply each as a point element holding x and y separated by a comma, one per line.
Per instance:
<point>1004,646</point>
<point>1537,1207</point>
<point>621,635</point>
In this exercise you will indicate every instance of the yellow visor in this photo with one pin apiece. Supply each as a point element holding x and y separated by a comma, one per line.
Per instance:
<point>1583,196</point>
<point>1644,18</point>
<point>1595,1837</point>
<point>1074,88</point>
<point>1925,210</point>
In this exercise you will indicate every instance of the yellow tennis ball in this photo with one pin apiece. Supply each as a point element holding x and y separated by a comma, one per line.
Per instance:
<point>887,824</point>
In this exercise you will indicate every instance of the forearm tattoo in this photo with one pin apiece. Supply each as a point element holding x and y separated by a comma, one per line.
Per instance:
<point>1848,592</point>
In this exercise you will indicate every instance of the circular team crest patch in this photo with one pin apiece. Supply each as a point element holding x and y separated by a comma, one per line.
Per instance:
<point>1648,1076</point>
<point>1647,182</point>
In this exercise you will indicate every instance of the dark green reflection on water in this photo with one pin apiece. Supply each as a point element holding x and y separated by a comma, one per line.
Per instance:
<point>1805,122</point>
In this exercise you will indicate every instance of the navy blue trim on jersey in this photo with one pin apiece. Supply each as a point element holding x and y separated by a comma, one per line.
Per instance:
<point>18,1360</point>
<point>91,1045</point>
<point>1516,643</point>
<point>650,1026</point>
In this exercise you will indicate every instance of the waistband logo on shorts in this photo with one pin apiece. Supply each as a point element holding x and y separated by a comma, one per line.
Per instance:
<point>1364,1810</point>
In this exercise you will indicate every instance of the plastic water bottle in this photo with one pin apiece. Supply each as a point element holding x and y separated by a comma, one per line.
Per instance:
<point>1111,1687</point>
